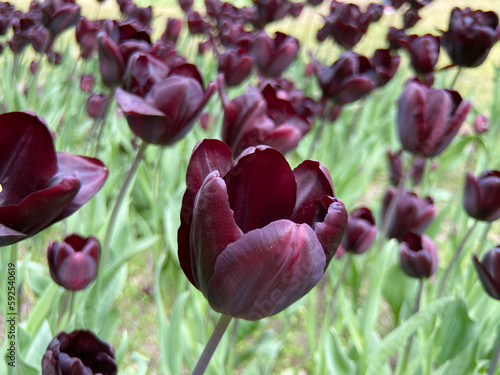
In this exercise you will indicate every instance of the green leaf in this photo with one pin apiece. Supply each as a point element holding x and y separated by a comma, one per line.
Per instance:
<point>39,344</point>
<point>174,347</point>
<point>455,332</point>
<point>337,361</point>
<point>41,309</point>
<point>122,350</point>
<point>396,288</point>
<point>396,338</point>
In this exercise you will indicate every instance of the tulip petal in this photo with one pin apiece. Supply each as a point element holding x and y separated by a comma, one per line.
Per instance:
<point>266,270</point>
<point>313,183</point>
<point>211,211</point>
<point>40,209</point>
<point>353,89</point>
<point>91,172</point>
<point>471,195</point>
<point>9,236</point>
<point>77,271</point>
<point>27,156</point>
<point>486,278</point>
<point>208,155</point>
<point>284,138</point>
<point>331,230</point>
<point>261,188</point>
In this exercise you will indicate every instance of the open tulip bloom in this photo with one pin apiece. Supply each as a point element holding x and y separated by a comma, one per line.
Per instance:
<point>38,186</point>
<point>256,236</point>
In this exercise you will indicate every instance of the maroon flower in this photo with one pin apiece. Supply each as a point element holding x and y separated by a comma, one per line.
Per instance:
<point>86,35</point>
<point>38,186</point>
<point>73,263</point>
<point>172,30</point>
<point>236,65</point>
<point>481,124</point>
<point>170,109</point>
<point>273,56</point>
<point>96,104</point>
<point>418,256</point>
<point>489,271</point>
<point>144,70</point>
<point>59,15</point>
<point>361,231</point>
<point>111,62</point>
<point>78,353</point>
<point>411,214</point>
<point>86,83</point>
<point>482,196</point>
<point>256,236</point>
<point>428,119</point>
<point>470,36</point>
<point>424,52</point>
<point>196,24</point>
<point>396,168</point>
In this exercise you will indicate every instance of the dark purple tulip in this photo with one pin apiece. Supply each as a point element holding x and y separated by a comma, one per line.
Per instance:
<point>482,196</point>
<point>196,24</point>
<point>236,65</point>
<point>266,11</point>
<point>347,24</point>
<point>186,5</point>
<point>172,30</point>
<point>418,256</point>
<point>86,83</point>
<point>96,104</point>
<point>170,109</point>
<point>411,214</point>
<point>273,56</point>
<point>59,15</point>
<point>361,231</point>
<point>33,67</point>
<point>410,18</point>
<point>384,65</point>
<point>6,14</point>
<point>144,71</point>
<point>256,236</point>
<point>428,119</point>
<point>73,263</point>
<point>470,36</point>
<point>489,271</point>
<point>111,62</point>
<point>86,35</point>
<point>51,186</point>
<point>55,58</point>
<point>78,353</point>
<point>424,52</point>
<point>396,168</point>
<point>481,124</point>
<point>397,38</point>
<point>350,78</point>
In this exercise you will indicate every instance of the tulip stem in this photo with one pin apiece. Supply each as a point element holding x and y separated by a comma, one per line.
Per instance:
<point>459,71</point>
<point>460,247</point>
<point>494,361</point>
<point>212,343</point>
<point>99,122</point>
<point>406,355</point>
<point>342,276</point>
<point>121,196</point>
<point>63,308</point>
<point>71,307</point>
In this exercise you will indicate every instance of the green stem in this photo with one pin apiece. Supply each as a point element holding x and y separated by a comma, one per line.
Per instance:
<point>459,71</point>
<point>212,344</point>
<point>342,277</point>
<point>454,259</point>
<point>494,361</point>
<point>406,355</point>
<point>63,308</point>
<point>71,308</point>
<point>99,122</point>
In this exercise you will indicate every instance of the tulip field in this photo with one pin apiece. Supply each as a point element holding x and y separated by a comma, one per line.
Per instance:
<point>249,187</point>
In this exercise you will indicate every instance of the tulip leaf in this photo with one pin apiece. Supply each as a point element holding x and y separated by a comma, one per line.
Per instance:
<point>121,350</point>
<point>37,279</point>
<point>172,351</point>
<point>337,361</point>
<point>396,288</point>
<point>39,344</point>
<point>112,288</point>
<point>455,332</point>
<point>396,338</point>
<point>41,309</point>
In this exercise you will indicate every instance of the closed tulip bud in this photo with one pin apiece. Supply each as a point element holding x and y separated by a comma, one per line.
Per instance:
<point>111,62</point>
<point>96,104</point>
<point>482,196</point>
<point>186,5</point>
<point>470,36</point>
<point>273,56</point>
<point>170,109</point>
<point>86,83</point>
<point>397,38</point>
<point>418,256</point>
<point>481,124</point>
<point>144,71</point>
<point>73,263</point>
<point>411,213</point>
<point>428,119</point>
<point>384,65</point>
<point>78,353</point>
<point>256,236</point>
<point>410,18</point>
<point>86,36</point>
<point>59,15</point>
<point>173,29</point>
<point>424,52</point>
<point>489,271</point>
<point>196,24</point>
<point>361,231</point>
<point>236,66</point>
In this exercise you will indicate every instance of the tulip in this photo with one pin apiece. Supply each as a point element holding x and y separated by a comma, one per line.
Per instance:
<point>424,52</point>
<point>111,62</point>
<point>59,15</point>
<point>196,24</point>
<point>273,56</point>
<point>428,119</point>
<point>256,236</point>
<point>170,109</point>
<point>470,36</point>
<point>418,256</point>
<point>410,18</point>
<point>396,168</point>
<point>361,231</point>
<point>411,214</point>
<point>186,5</point>
<point>384,65</point>
<point>39,187</point>
<point>73,263</point>
<point>481,124</point>
<point>397,38</point>
<point>482,196</point>
<point>172,30</point>
<point>96,105</point>
<point>266,11</point>
<point>86,83</point>
<point>86,36</point>
<point>489,271</point>
<point>144,70</point>
<point>236,66</point>
<point>78,353</point>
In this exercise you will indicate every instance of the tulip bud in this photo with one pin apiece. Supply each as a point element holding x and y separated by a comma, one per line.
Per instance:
<point>173,29</point>
<point>86,83</point>
<point>59,15</point>
<point>418,256</point>
<point>236,66</point>
<point>111,62</point>
<point>428,119</point>
<point>361,231</point>
<point>482,196</point>
<point>96,104</point>
<point>488,271</point>
<point>73,263</point>
<point>481,124</point>
<point>470,36</point>
<point>411,213</point>
<point>273,56</point>
<point>78,353</point>
<point>424,52</point>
